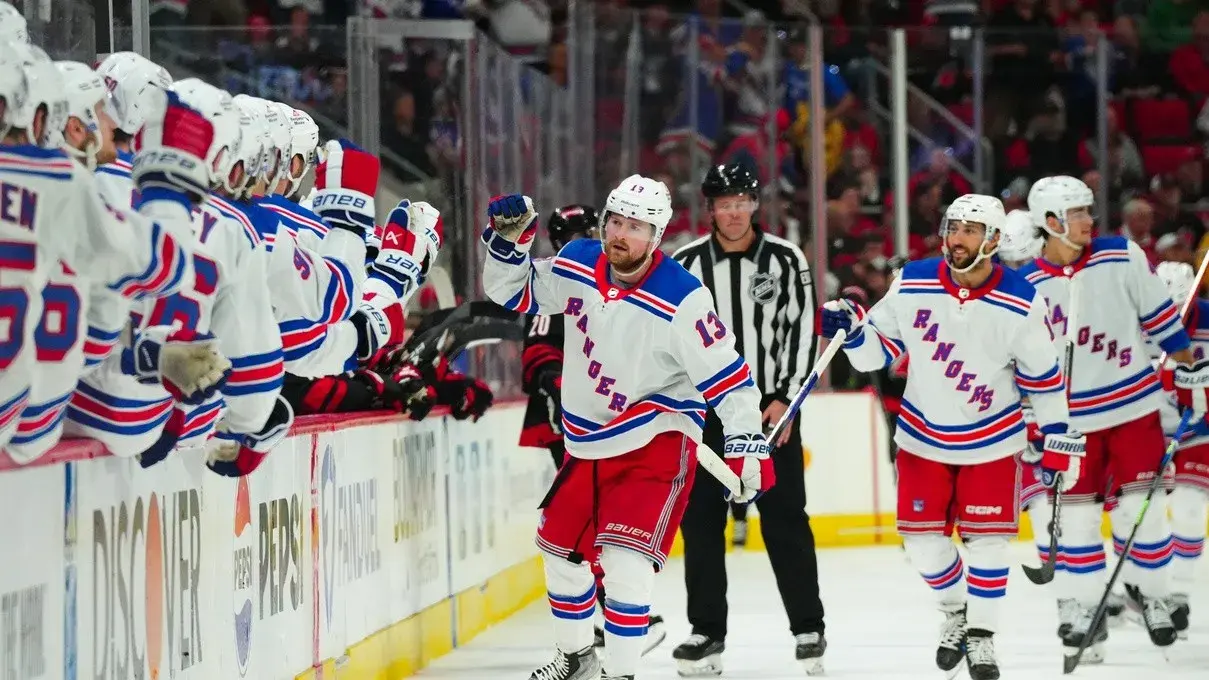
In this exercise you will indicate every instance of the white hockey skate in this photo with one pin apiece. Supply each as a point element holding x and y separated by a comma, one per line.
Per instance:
<point>952,646</point>
<point>1180,614</point>
<point>582,665</point>
<point>1080,628</point>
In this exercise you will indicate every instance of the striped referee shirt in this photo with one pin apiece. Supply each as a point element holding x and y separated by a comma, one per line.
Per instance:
<point>765,295</point>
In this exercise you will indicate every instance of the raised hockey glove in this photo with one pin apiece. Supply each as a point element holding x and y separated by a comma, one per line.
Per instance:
<point>409,243</point>
<point>186,363</point>
<point>239,455</point>
<point>1061,452</point>
<point>345,183</point>
<point>838,315</point>
<point>749,457</point>
<point>1191,385</point>
<point>512,227</point>
<point>377,329</point>
<point>172,149</point>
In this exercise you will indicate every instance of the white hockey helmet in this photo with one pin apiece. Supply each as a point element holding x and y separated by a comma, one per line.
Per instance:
<point>979,209</point>
<point>14,89</point>
<point>304,143</point>
<point>13,27</point>
<point>219,108</point>
<point>254,142</point>
<point>1179,277</point>
<point>132,79</point>
<point>1019,241</point>
<point>277,135</point>
<point>640,198</point>
<point>44,90</point>
<point>1057,196</point>
<point>84,89</point>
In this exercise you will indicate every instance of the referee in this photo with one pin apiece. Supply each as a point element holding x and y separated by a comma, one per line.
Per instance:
<point>763,292</point>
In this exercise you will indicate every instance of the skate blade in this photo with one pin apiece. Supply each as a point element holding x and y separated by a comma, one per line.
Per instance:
<point>710,666</point>
<point>655,635</point>
<point>813,667</point>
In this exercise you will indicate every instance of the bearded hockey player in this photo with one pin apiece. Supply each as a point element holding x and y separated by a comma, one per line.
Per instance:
<point>1114,398</point>
<point>978,340</point>
<point>1189,499</point>
<point>644,346</point>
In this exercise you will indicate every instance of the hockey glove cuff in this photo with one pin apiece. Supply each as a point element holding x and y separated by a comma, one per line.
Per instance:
<point>1061,452</point>
<point>1192,387</point>
<point>186,363</point>
<point>748,456</point>
<point>839,315</point>
<point>345,184</point>
<point>172,149</point>
<point>377,328</point>
<point>240,455</point>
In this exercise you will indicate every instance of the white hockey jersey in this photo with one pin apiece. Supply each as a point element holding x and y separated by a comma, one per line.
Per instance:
<point>111,255</point>
<point>973,353</point>
<point>114,181</point>
<point>640,361</point>
<point>228,296</point>
<point>1121,303</point>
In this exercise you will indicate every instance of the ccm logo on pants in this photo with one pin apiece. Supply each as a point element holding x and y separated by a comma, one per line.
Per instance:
<point>983,509</point>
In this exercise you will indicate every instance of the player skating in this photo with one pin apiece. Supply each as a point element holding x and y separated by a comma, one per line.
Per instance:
<point>1114,398</point>
<point>542,381</point>
<point>977,336</point>
<point>1189,499</point>
<point>644,347</point>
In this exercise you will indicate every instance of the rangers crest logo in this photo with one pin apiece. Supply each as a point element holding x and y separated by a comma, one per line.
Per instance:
<point>762,287</point>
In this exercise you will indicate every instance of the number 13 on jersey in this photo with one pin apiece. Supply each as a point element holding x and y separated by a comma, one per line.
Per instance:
<point>711,329</point>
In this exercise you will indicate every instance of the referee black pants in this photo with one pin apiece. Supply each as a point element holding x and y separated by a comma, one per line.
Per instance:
<point>787,538</point>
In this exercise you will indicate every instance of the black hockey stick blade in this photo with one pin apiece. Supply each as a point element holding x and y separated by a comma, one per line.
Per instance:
<point>1045,573</point>
<point>482,332</point>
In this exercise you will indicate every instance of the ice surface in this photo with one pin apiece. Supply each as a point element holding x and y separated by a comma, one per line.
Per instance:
<point>881,623</point>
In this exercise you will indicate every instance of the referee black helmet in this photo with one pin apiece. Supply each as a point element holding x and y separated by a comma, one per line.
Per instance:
<point>731,179</point>
<point>570,221</point>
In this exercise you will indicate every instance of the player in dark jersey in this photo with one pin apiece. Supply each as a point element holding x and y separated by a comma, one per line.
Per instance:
<point>542,379</point>
<point>543,356</point>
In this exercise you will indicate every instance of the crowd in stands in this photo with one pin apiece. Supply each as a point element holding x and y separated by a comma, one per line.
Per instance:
<point>1040,107</point>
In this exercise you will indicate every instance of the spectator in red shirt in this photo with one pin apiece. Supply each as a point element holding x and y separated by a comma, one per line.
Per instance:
<point>1190,63</point>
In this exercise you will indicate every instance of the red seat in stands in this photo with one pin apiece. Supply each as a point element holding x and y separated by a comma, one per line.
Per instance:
<point>1160,158</point>
<point>1155,119</point>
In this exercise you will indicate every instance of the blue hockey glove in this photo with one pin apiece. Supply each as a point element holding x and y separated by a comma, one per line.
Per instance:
<point>838,315</point>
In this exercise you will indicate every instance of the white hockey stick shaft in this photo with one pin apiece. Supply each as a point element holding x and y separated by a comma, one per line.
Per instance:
<point>820,367</point>
<point>720,471</point>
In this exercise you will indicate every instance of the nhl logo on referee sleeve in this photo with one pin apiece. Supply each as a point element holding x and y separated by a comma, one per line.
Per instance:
<point>762,287</point>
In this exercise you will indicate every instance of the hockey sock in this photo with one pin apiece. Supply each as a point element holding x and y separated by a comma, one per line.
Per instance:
<point>572,594</point>
<point>1040,512</point>
<point>630,578</point>
<point>1189,506</point>
<point>1152,549</point>
<point>1082,575</point>
<point>986,580</point>
<point>936,558</point>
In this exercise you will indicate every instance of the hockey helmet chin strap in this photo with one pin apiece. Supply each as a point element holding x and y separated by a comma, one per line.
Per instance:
<point>1064,234</point>
<point>981,255</point>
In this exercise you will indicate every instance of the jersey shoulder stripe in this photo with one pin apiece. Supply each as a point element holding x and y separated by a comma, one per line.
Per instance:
<point>33,161</point>
<point>296,214</point>
<point>229,210</point>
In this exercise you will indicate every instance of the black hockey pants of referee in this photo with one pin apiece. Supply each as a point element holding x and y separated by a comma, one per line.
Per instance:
<point>787,538</point>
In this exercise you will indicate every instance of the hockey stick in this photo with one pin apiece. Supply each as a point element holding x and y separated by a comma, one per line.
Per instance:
<point>820,366</point>
<point>720,471</point>
<point>1070,663</point>
<point>1045,573</point>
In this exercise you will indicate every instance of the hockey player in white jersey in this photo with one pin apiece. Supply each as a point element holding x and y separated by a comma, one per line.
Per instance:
<point>1189,499</point>
<point>410,241</point>
<point>1114,399</point>
<point>133,82</point>
<point>229,297</point>
<point>978,341</point>
<point>649,349</point>
<point>1018,244</point>
<point>83,244</point>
